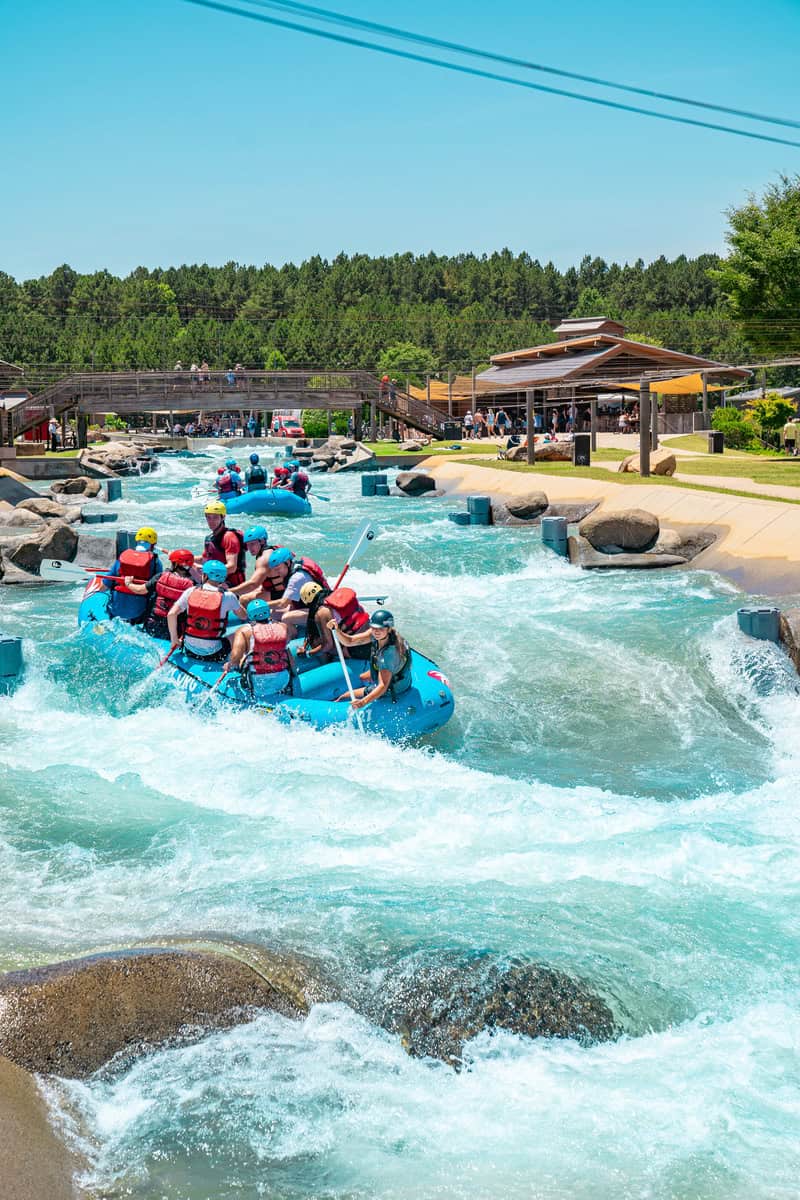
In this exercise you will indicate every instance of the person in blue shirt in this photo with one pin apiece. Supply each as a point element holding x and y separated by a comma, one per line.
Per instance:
<point>134,566</point>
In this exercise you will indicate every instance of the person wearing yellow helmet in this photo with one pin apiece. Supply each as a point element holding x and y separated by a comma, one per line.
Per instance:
<point>223,544</point>
<point>133,567</point>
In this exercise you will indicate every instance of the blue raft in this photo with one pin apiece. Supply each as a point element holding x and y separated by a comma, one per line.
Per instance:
<point>275,501</point>
<point>424,707</point>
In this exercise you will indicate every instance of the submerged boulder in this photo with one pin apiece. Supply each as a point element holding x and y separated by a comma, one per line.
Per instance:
<point>415,483</point>
<point>437,1009</point>
<point>71,1017</point>
<point>630,529</point>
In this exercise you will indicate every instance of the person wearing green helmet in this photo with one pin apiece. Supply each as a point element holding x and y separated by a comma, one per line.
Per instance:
<point>389,662</point>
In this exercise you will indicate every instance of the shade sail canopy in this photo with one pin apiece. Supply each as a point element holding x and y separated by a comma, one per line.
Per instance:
<point>685,385</point>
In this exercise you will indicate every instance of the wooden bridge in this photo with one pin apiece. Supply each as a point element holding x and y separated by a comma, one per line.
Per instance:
<point>85,393</point>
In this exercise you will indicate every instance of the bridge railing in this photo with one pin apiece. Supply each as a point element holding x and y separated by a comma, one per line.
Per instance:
<point>255,389</point>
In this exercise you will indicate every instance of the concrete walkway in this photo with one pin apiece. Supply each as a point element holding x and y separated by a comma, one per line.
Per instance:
<point>758,541</point>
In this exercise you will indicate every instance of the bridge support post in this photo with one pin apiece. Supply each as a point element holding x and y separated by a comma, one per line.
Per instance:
<point>82,430</point>
<point>644,429</point>
<point>373,421</point>
<point>531,429</point>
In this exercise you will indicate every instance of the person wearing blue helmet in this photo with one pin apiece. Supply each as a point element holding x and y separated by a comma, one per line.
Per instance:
<point>255,475</point>
<point>287,575</point>
<point>207,607</point>
<point>260,651</point>
<point>256,586</point>
<point>389,662</point>
<point>235,472</point>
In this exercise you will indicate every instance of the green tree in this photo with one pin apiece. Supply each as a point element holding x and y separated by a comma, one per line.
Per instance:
<point>590,304</point>
<point>404,361</point>
<point>760,278</point>
<point>770,413</point>
<point>274,360</point>
<point>736,427</point>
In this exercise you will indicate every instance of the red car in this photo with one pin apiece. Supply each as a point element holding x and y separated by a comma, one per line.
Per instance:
<point>288,427</point>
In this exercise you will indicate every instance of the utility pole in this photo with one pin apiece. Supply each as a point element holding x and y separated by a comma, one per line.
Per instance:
<point>531,446</point>
<point>644,429</point>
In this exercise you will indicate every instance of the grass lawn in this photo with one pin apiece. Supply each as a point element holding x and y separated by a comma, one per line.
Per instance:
<point>760,469</point>
<point>542,470</point>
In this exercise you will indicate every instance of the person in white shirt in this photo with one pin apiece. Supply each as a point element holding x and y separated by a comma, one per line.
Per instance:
<point>207,608</point>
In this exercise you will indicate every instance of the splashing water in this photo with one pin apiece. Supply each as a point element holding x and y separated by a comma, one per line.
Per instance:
<point>615,796</point>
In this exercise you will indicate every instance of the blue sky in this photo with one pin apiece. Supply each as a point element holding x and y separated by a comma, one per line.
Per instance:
<point>157,133</point>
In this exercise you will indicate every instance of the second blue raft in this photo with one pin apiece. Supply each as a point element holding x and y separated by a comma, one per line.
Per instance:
<point>276,501</point>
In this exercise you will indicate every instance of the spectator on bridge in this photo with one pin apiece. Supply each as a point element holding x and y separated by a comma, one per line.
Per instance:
<point>205,372</point>
<point>230,377</point>
<point>239,373</point>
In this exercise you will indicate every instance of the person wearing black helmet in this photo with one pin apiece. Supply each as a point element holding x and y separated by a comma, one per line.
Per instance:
<point>389,662</point>
<point>255,475</point>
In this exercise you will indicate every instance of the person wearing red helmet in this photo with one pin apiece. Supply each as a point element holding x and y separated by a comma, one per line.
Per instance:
<point>163,590</point>
<point>280,477</point>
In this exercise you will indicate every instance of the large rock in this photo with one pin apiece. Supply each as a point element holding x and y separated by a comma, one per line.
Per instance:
<point>415,483</point>
<point>78,485</point>
<point>411,446</point>
<point>437,1009</point>
<point>790,634</point>
<point>528,505</point>
<point>71,1017</point>
<point>543,451</point>
<point>51,508</point>
<point>630,529</point>
<point>19,517</point>
<point>662,462</point>
<point>55,540</point>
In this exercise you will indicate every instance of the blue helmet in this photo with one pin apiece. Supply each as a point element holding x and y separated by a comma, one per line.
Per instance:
<point>215,570</point>
<point>280,556</point>
<point>254,459</point>
<point>258,610</point>
<point>257,534</point>
<point>381,619</point>
<point>230,462</point>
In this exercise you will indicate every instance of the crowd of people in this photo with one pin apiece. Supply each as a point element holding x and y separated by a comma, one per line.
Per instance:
<point>279,597</point>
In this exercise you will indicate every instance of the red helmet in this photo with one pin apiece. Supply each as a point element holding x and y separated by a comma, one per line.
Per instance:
<point>220,470</point>
<point>282,471</point>
<point>181,558</point>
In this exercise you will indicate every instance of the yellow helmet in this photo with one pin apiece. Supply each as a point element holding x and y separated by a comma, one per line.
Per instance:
<point>309,593</point>
<point>216,507</point>
<point>146,534</point>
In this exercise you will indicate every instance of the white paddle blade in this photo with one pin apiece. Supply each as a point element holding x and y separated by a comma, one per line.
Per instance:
<point>363,536</point>
<point>62,572</point>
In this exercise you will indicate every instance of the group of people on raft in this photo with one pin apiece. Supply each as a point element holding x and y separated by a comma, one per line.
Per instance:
<point>231,482</point>
<point>284,597</point>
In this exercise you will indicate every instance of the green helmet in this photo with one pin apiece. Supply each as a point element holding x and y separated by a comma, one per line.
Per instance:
<point>381,619</point>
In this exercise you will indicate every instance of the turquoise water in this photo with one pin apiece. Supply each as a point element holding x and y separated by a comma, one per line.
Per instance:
<point>615,796</point>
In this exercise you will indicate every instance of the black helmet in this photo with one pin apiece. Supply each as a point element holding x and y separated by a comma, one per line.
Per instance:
<point>381,619</point>
<point>254,458</point>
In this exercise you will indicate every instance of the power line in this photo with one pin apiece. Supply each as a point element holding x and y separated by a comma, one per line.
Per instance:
<point>329,15</point>
<point>459,68</point>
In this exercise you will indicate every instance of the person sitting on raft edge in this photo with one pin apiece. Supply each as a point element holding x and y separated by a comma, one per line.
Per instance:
<point>389,662</point>
<point>207,607</point>
<point>134,566</point>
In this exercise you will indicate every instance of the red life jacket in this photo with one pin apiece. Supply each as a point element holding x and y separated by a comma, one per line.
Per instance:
<point>269,654</point>
<point>204,618</point>
<point>344,605</point>
<point>224,484</point>
<point>169,588</point>
<point>136,563</point>
<point>311,568</point>
<point>213,549</point>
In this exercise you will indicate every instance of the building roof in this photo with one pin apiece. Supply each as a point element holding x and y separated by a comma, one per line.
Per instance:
<point>575,326</point>
<point>599,354</point>
<point>788,393</point>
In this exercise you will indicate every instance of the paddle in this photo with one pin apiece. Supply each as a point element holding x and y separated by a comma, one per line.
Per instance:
<point>364,535</point>
<point>55,570</point>
<point>347,679</point>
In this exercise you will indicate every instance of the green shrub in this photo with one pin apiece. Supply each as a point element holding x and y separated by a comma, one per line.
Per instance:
<point>737,428</point>
<point>315,422</point>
